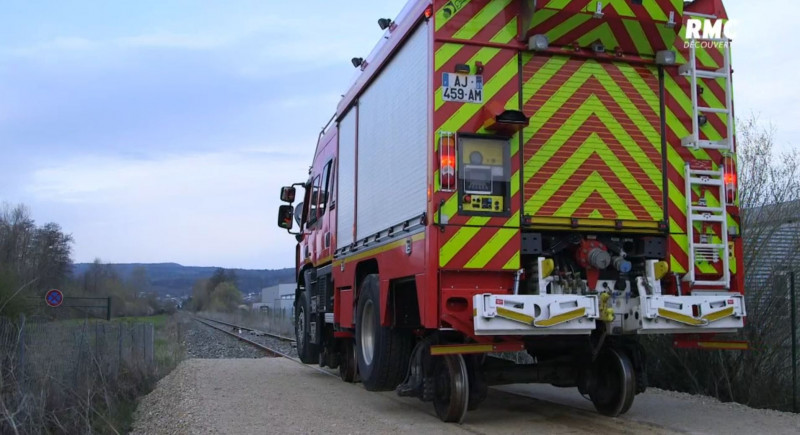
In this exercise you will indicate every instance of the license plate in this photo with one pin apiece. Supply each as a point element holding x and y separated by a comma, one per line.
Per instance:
<point>462,88</point>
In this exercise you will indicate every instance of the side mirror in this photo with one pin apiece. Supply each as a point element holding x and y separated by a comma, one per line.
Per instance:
<point>285,213</point>
<point>287,194</point>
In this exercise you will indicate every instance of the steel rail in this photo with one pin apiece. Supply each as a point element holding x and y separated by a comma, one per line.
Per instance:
<point>262,347</point>
<point>244,328</point>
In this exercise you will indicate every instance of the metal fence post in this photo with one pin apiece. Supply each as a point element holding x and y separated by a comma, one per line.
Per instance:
<point>793,307</point>
<point>108,309</point>
<point>21,354</point>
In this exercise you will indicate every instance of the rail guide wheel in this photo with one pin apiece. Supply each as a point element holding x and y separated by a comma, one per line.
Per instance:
<point>348,368</point>
<point>451,388</point>
<point>615,383</point>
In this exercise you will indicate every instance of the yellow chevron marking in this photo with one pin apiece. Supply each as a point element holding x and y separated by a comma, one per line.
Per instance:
<point>640,41</point>
<point>593,183</point>
<point>448,50</point>
<point>556,4</point>
<point>602,32</point>
<point>593,145</point>
<point>567,26</point>
<point>492,247</point>
<point>676,266</point>
<point>481,19</point>
<point>440,18</point>
<point>513,263</point>
<point>622,8</point>
<point>460,239</point>
<point>592,106</point>
<point>655,11</point>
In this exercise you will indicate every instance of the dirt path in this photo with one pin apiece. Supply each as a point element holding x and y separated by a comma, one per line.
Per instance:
<point>274,395</point>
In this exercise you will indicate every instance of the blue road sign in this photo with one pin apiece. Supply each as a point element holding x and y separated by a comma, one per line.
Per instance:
<point>54,298</point>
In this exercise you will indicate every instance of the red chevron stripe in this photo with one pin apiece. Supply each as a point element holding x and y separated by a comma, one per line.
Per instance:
<point>594,164</point>
<point>505,253</point>
<point>555,123</point>
<point>676,251</point>
<point>499,22</point>
<point>595,202</point>
<point>468,251</point>
<point>471,9</point>
<point>572,145</point>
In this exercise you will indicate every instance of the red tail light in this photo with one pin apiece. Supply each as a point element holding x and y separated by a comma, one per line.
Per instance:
<point>447,162</point>
<point>730,179</point>
<point>428,12</point>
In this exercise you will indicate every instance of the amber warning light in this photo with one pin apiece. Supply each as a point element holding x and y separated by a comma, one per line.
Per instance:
<point>447,162</point>
<point>730,179</point>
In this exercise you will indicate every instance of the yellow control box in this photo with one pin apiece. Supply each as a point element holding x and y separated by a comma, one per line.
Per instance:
<point>483,203</point>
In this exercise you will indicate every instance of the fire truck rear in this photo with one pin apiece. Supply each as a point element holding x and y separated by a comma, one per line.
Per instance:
<point>549,177</point>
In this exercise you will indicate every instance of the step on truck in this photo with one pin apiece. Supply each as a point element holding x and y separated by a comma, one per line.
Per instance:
<point>547,179</point>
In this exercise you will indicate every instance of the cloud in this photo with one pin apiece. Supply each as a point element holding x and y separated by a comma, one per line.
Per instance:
<point>174,41</point>
<point>199,208</point>
<point>61,44</point>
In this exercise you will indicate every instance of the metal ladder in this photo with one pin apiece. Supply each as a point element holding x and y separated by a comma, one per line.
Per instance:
<point>706,250</point>
<point>690,70</point>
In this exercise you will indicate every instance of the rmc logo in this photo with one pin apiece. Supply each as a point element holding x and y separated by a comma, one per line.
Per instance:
<point>707,33</point>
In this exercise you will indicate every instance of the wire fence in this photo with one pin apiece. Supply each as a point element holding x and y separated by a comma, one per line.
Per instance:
<point>62,374</point>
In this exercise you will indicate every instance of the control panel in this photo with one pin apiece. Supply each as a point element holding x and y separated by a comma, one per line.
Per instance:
<point>484,203</point>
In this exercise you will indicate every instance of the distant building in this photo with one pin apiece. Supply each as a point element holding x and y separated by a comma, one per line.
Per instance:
<point>277,298</point>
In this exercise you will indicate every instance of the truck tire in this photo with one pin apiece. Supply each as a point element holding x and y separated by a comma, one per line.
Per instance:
<point>382,353</point>
<point>308,352</point>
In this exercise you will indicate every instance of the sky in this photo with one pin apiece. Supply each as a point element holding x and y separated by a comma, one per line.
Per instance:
<point>162,130</point>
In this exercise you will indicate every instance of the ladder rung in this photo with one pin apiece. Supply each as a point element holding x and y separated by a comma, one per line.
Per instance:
<point>712,109</point>
<point>721,283</point>
<point>708,209</point>
<point>709,172</point>
<point>709,246</point>
<point>706,182</point>
<point>707,218</point>
<point>689,141</point>
<point>711,74</point>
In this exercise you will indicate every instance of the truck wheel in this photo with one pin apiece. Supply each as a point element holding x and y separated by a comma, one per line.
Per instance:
<point>615,383</point>
<point>308,352</point>
<point>382,353</point>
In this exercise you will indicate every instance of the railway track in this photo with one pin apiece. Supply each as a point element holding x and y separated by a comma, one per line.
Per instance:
<point>233,330</point>
<point>211,323</point>
<point>251,330</point>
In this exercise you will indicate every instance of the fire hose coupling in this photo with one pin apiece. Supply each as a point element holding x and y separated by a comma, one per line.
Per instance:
<point>621,264</point>
<point>606,311</point>
<point>592,253</point>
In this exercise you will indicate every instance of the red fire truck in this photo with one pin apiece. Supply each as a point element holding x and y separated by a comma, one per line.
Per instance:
<point>549,179</point>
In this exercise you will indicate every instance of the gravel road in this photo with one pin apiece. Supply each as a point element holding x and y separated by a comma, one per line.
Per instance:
<point>276,395</point>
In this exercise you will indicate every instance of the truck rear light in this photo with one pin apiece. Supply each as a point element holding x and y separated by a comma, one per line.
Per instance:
<point>730,179</point>
<point>447,161</point>
<point>428,12</point>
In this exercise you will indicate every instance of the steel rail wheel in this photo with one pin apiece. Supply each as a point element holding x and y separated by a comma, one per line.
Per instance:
<point>347,364</point>
<point>615,385</point>
<point>451,389</point>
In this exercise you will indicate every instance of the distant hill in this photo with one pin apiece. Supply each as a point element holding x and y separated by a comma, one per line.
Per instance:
<point>176,280</point>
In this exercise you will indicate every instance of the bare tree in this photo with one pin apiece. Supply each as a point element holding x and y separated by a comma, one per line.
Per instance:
<point>769,196</point>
